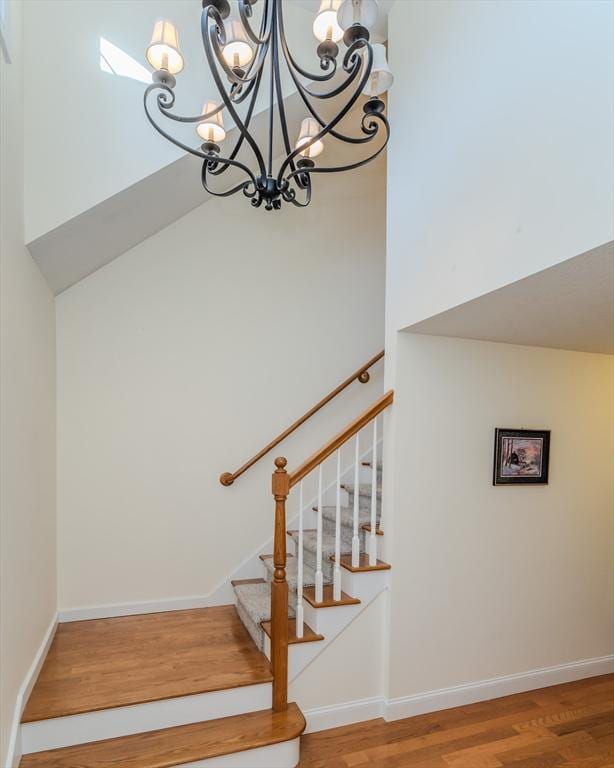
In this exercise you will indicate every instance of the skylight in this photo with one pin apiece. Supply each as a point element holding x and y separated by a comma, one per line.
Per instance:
<point>117,62</point>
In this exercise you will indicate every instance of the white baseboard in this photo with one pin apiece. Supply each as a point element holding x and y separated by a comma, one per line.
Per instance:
<point>483,690</point>
<point>133,609</point>
<point>14,753</point>
<point>323,718</point>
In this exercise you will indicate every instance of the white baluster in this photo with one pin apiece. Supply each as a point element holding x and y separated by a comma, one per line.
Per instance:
<point>373,537</point>
<point>355,536</point>
<point>337,568</point>
<point>319,577</point>
<point>299,566</point>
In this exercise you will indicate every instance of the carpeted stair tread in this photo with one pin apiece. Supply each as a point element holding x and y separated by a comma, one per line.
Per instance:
<point>347,516</point>
<point>364,490</point>
<point>309,575</point>
<point>256,601</point>
<point>328,545</point>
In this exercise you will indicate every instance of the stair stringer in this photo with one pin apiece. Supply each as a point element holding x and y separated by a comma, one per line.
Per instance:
<point>331,622</point>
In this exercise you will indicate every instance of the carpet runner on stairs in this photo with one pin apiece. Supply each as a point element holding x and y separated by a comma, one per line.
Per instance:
<point>254,600</point>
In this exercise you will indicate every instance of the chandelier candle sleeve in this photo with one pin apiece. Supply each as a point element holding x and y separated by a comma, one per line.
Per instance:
<point>249,59</point>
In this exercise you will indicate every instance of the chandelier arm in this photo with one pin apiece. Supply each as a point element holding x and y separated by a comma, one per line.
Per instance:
<point>282,111</point>
<point>351,166</point>
<point>273,66</point>
<point>352,72</point>
<point>215,33</point>
<point>337,119</point>
<point>291,62</point>
<point>290,197</point>
<point>212,160</point>
<point>222,91</point>
<point>165,110</point>
<point>242,93</point>
<point>240,140</point>
<point>161,131</point>
<point>322,122</point>
<point>264,34</point>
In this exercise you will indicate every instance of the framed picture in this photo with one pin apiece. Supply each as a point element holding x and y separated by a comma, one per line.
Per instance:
<point>521,457</point>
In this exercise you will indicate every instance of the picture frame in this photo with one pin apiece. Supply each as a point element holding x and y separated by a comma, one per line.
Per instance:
<point>521,456</point>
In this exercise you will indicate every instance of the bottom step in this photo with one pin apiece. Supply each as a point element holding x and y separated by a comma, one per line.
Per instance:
<point>263,739</point>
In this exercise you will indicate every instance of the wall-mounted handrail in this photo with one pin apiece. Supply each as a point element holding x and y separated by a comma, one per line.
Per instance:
<point>323,453</point>
<point>361,375</point>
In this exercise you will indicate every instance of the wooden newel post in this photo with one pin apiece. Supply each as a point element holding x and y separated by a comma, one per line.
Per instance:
<point>279,591</point>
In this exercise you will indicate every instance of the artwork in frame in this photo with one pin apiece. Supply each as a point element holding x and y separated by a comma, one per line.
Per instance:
<point>522,456</point>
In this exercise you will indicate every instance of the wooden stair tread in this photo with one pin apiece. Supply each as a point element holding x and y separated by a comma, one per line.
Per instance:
<point>367,527</point>
<point>309,593</point>
<point>105,663</point>
<point>363,564</point>
<point>179,745</point>
<point>309,636</point>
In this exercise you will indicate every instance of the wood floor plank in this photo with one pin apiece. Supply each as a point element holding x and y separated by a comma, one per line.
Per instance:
<point>180,745</point>
<point>105,663</point>
<point>567,725</point>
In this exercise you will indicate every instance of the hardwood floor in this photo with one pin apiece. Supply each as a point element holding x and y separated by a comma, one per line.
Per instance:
<point>567,725</point>
<point>103,663</point>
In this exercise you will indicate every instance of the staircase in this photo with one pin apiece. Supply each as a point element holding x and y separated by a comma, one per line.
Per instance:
<point>253,596</point>
<point>208,687</point>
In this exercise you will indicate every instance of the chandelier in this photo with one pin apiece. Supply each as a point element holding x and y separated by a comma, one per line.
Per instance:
<point>237,56</point>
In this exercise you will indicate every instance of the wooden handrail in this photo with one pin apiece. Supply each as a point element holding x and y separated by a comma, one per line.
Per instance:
<point>361,375</point>
<point>318,457</point>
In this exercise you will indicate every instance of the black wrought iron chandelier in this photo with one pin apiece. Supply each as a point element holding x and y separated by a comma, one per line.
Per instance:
<point>237,54</point>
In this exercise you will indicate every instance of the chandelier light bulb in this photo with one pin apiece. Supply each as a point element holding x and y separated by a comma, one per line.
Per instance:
<point>363,12</point>
<point>381,77</point>
<point>163,51</point>
<point>309,129</point>
<point>212,128</point>
<point>325,25</point>
<point>237,52</point>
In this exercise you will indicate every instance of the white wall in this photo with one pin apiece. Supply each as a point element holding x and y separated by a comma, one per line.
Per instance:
<point>502,157</point>
<point>491,581</point>
<point>504,166</point>
<point>351,669</point>
<point>27,413</point>
<point>181,359</point>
